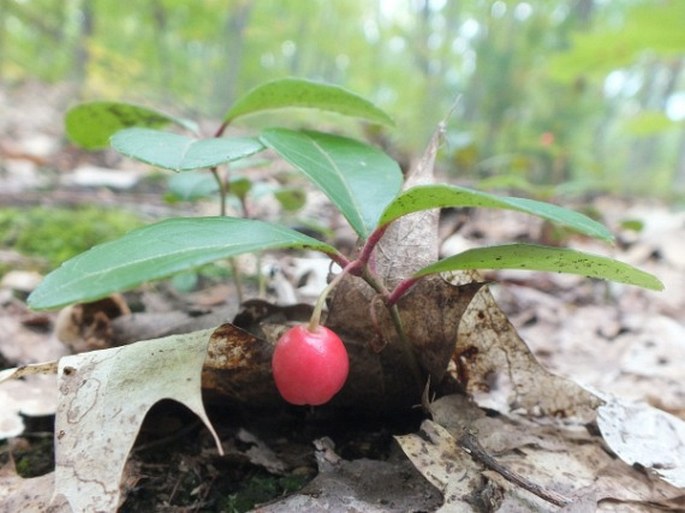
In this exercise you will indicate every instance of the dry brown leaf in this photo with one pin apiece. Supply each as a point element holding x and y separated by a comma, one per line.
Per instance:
<point>497,368</point>
<point>238,366</point>
<point>361,485</point>
<point>563,458</point>
<point>445,465</point>
<point>411,242</point>
<point>104,397</point>
<point>430,315</point>
<point>88,326</point>
<point>22,345</point>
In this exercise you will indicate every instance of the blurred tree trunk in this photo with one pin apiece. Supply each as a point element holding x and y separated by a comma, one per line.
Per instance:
<point>82,47</point>
<point>165,61</point>
<point>3,29</point>
<point>237,19</point>
<point>656,92</point>
<point>582,11</point>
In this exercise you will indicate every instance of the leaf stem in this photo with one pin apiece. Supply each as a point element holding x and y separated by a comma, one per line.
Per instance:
<point>315,319</point>
<point>400,290</point>
<point>223,190</point>
<point>406,347</point>
<point>341,260</point>
<point>222,128</point>
<point>371,244</point>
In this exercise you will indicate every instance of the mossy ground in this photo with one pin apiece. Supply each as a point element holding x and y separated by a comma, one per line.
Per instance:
<point>51,236</point>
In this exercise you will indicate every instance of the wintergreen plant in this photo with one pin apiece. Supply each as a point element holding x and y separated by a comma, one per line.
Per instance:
<point>361,181</point>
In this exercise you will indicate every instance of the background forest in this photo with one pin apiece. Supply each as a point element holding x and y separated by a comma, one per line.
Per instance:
<point>571,383</point>
<point>582,95</point>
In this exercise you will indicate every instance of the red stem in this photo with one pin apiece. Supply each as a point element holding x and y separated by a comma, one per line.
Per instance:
<point>371,243</point>
<point>342,261</point>
<point>222,128</point>
<point>400,290</point>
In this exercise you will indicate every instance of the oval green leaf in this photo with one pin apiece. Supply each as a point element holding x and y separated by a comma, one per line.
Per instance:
<point>160,250</point>
<point>91,124</point>
<point>295,92</point>
<point>532,257</point>
<point>359,179</point>
<point>425,197</point>
<point>181,153</point>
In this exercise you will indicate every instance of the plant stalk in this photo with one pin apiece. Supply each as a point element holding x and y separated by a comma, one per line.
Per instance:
<point>315,319</point>
<point>407,350</point>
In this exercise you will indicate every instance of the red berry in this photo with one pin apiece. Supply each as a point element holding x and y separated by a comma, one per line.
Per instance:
<point>309,367</point>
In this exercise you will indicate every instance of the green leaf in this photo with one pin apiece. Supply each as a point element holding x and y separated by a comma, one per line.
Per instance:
<point>533,257</point>
<point>160,250</point>
<point>180,153</point>
<point>425,197</point>
<point>90,125</point>
<point>359,179</point>
<point>240,186</point>
<point>295,92</point>
<point>290,198</point>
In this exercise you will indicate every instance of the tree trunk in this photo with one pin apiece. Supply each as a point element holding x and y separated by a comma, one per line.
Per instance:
<point>82,52</point>
<point>236,22</point>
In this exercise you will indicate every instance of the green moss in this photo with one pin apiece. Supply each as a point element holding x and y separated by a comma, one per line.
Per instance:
<point>53,235</point>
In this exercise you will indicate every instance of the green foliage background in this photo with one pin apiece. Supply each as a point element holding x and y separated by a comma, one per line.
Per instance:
<point>585,93</point>
<point>45,238</point>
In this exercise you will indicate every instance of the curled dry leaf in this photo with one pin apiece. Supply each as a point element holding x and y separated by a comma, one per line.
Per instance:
<point>88,326</point>
<point>104,397</point>
<point>498,369</point>
<point>238,365</point>
<point>430,315</point>
<point>411,242</point>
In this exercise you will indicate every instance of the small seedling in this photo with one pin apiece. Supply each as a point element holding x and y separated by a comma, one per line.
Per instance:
<point>360,180</point>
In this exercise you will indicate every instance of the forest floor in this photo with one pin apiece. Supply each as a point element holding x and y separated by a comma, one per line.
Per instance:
<point>611,339</point>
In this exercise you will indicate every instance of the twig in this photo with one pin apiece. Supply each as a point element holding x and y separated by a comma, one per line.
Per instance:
<point>471,445</point>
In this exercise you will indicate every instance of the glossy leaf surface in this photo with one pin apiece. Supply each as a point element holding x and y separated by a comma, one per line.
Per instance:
<point>180,153</point>
<point>90,125</point>
<point>296,92</point>
<point>425,197</point>
<point>533,257</point>
<point>359,179</point>
<point>157,251</point>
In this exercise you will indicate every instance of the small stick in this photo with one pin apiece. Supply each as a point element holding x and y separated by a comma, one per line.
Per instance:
<point>471,445</point>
